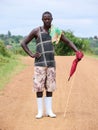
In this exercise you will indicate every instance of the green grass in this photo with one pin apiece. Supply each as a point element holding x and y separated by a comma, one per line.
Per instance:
<point>91,55</point>
<point>8,68</point>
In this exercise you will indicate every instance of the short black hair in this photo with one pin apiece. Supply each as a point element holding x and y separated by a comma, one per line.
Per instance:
<point>46,12</point>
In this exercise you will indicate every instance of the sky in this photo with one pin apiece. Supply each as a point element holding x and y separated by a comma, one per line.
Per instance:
<point>21,16</point>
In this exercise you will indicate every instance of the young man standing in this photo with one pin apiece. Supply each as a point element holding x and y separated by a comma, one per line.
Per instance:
<point>44,65</point>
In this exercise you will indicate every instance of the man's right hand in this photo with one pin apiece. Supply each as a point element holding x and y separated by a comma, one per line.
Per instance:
<point>36,55</point>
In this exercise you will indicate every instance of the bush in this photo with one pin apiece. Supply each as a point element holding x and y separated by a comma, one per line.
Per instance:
<point>3,50</point>
<point>64,49</point>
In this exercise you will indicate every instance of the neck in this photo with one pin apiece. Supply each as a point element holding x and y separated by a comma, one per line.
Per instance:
<point>46,27</point>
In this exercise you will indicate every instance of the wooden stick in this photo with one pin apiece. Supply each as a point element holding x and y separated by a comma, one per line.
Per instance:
<point>66,106</point>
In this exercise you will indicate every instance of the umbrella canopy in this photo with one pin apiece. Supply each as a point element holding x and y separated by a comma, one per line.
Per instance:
<point>73,68</point>
<point>79,56</point>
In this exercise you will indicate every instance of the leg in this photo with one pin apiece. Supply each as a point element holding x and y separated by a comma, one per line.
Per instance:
<point>48,94</point>
<point>48,104</point>
<point>39,79</point>
<point>39,104</point>
<point>51,85</point>
<point>39,94</point>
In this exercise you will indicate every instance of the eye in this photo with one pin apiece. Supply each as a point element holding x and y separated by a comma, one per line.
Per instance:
<point>47,18</point>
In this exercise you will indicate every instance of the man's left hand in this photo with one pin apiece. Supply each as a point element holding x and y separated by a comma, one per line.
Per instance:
<point>79,55</point>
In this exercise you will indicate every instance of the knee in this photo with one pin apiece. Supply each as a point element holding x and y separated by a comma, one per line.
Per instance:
<point>39,94</point>
<point>48,94</point>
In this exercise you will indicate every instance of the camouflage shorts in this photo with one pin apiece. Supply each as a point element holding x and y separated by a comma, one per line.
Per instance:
<point>44,78</point>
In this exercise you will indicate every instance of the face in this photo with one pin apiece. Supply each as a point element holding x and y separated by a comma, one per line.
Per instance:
<point>47,19</point>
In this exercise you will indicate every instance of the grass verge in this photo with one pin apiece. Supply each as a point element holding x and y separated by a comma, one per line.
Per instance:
<point>91,55</point>
<point>9,68</point>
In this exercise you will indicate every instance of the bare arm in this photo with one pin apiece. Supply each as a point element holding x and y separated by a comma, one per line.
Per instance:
<point>68,42</point>
<point>79,54</point>
<point>27,40</point>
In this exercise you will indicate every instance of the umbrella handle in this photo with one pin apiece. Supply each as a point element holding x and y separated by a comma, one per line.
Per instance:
<point>69,78</point>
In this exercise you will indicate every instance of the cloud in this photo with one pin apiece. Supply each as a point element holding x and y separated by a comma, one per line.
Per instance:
<point>77,15</point>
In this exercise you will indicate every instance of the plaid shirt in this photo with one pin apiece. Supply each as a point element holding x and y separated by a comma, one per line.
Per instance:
<point>45,47</point>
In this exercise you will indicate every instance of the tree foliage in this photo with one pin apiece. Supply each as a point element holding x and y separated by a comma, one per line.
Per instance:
<point>64,49</point>
<point>3,50</point>
<point>94,45</point>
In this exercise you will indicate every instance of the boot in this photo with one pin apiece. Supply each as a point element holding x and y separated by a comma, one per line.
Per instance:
<point>40,108</point>
<point>48,105</point>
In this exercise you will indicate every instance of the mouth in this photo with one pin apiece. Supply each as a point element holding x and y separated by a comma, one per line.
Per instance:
<point>48,24</point>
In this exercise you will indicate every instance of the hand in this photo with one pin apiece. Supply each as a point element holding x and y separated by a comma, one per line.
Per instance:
<point>79,55</point>
<point>36,55</point>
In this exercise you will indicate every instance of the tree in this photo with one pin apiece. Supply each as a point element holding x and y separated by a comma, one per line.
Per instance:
<point>3,50</point>
<point>9,34</point>
<point>63,49</point>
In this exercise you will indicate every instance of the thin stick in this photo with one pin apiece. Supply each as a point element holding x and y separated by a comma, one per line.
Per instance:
<point>66,106</point>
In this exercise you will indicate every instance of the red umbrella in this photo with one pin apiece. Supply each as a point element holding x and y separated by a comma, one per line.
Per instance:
<point>79,56</point>
<point>73,68</point>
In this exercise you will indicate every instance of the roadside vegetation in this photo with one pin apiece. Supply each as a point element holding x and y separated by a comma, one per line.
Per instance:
<point>10,64</point>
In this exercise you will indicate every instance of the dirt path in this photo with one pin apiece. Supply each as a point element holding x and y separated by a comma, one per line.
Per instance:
<point>18,105</point>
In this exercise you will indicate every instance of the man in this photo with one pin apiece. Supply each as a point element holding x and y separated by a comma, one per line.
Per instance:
<point>44,65</point>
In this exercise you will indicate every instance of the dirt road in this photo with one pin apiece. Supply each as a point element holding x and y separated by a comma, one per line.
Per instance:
<point>18,105</point>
